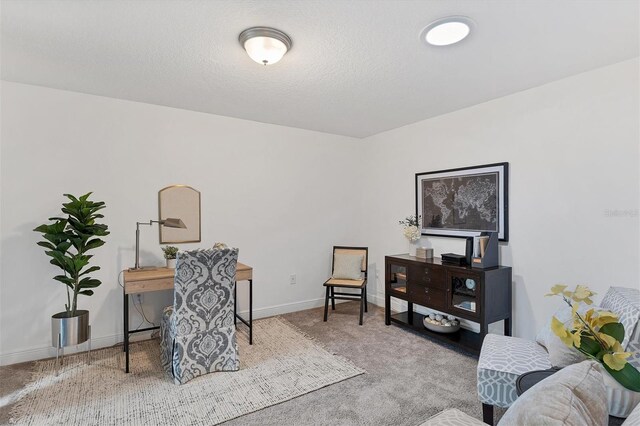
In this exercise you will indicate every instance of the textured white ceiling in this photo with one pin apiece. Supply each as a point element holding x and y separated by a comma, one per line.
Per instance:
<point>356,68</point>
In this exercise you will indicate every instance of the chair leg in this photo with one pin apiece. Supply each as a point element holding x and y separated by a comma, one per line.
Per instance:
<point>361,304</point>
<point>366,302</point>
<point>487,414</point>
<point>326,304</point>
<point>333,299</point>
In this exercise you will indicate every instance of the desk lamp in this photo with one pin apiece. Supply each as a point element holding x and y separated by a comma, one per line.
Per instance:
<point>169,222</point>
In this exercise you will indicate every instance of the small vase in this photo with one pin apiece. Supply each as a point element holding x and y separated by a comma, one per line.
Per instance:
<point>413,245</point>
<point>171,263</point>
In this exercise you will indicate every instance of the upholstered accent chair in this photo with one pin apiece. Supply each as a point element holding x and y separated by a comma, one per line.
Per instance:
<point>198,332</point>
<point>504,358</point>
<point>348,271</point>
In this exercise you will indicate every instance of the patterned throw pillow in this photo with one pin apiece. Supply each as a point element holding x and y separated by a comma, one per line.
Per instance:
<point>545,334</point>
<point>347,266</point>
<point>624,303</point>
<point>565,316</point>
<point>561,355</point>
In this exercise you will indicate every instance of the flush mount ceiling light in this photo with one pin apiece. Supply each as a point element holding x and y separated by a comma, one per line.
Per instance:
<point>446,31</point>
<point>265,45</point>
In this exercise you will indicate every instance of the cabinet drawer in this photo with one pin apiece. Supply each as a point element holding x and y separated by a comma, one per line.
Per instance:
<point>429,297</point>
<point>428,277</point>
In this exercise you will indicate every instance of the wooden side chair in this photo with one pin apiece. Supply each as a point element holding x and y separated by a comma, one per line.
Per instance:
<point>348,270</point>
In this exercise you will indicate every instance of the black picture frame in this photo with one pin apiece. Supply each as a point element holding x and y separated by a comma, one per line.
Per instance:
<point>446,182</point>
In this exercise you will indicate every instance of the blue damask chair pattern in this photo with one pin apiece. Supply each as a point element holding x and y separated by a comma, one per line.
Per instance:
<point>198,334</point>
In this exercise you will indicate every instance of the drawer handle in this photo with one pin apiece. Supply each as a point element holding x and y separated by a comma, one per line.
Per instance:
<point>426,290</point>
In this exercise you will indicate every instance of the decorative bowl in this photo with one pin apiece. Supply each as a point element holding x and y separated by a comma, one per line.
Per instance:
<point>441,328</point>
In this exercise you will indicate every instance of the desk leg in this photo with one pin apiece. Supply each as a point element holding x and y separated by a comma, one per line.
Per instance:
<point>126,332</point>
<point>235,303</point>
<point>251,312</point>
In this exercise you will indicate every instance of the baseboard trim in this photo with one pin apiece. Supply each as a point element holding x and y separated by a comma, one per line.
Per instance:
<point>284,308</point>
<point>106,341</point>
<point>50,352</point>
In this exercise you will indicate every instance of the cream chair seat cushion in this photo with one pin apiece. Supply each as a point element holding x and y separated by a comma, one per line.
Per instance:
<point>345,283</point>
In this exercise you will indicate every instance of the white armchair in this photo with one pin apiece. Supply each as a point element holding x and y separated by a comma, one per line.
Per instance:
<point>504,358</point>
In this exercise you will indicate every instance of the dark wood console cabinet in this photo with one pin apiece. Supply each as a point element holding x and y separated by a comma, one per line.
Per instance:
<point>479,295</point>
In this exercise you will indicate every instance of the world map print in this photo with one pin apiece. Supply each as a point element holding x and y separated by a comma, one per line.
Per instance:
<point>467,202</point>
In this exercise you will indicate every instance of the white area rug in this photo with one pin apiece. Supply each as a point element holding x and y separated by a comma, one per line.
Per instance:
<point>282,364</point>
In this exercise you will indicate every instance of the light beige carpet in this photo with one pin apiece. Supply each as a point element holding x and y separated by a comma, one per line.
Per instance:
<point>282,364</point>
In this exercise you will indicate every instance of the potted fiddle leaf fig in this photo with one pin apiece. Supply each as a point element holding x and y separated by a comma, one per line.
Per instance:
<point>68,241</point>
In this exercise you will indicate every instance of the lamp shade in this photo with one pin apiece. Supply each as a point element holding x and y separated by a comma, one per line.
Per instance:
<point>265,45</point>
<point>172,222</point>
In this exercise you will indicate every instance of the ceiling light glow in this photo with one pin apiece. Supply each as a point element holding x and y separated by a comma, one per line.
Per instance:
<point>447,31</point>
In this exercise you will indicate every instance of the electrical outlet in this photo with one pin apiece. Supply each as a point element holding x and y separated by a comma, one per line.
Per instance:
<point>292,279</point>
<point>139,298</point>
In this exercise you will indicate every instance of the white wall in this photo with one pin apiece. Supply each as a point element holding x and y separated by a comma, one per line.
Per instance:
<point>284,196</point>
<point>573,149</point>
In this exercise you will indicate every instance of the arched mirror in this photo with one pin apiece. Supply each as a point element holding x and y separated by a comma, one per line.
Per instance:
<point>180,202</point>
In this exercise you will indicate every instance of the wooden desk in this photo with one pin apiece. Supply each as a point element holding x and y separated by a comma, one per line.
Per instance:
<point>157,279</point>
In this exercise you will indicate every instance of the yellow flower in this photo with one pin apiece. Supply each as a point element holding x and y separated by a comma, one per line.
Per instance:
<point>617,360</point>
<point>603,318</point>
<point>617,347</point>
<point>590,316</point>
<point>556,289</point>
<point>565,335</point>
<point>608,340</point>
<point>582,294</point>
<point>578,325</point>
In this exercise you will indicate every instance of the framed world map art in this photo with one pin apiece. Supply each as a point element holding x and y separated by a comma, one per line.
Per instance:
<point>464,202</point>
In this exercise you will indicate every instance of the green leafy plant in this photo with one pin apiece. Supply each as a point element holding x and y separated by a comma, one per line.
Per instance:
<point>412,220</point>
<point>170,252</point>
<point>67,241</point>
<point>596,334</point>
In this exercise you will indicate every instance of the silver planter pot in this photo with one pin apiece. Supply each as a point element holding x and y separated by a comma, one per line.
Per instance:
<point>68,331</point>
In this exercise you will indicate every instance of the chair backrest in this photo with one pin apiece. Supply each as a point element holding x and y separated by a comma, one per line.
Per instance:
<point>355,251</point>
<point>204,289</point>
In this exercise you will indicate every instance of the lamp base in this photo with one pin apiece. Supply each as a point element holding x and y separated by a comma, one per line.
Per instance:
<point>144,269</point>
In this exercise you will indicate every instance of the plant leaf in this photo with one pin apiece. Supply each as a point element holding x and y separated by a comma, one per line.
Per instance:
<point>90,270</point>
<point>93,244</point>
<point>613,329</point>
<point>628,376</point>
<point>88,282</point>
<point>46,244</point>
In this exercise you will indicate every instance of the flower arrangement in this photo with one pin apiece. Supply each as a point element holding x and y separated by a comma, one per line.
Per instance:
<point>170,252</point>
<point>411,226</point>
<point>596,334</point>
